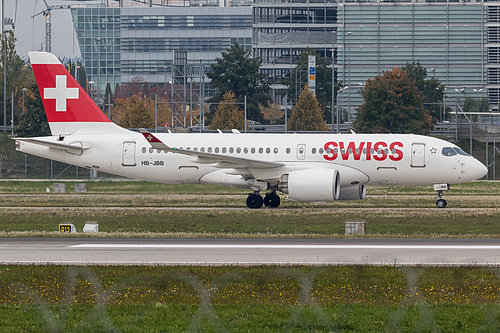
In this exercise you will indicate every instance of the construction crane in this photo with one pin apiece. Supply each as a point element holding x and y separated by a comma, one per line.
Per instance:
<point>48,24</point>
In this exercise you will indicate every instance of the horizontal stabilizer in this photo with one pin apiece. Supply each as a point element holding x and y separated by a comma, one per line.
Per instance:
<point>54,144</point>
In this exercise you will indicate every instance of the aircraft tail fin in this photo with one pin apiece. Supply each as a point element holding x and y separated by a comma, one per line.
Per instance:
<point>68,107</point>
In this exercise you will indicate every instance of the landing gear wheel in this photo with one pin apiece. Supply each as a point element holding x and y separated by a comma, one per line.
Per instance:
<point>272,200</point>
<point>441,203</point>
<point>254,200</point>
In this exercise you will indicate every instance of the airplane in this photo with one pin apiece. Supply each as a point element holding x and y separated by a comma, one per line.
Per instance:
<point>307,167</point>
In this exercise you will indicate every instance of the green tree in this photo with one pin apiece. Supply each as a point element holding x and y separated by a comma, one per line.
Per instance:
<point>393,104</point>
<point>239,73</point>
<point>299,77</point>
<point>476,104</point>
<point>431,89</point>
<point>307,114</point>
<point>228,115</point>
<point>34,121</point>
<point>16,74</point>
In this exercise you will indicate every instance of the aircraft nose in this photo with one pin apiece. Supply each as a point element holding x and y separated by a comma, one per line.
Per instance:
<point>482,170</point>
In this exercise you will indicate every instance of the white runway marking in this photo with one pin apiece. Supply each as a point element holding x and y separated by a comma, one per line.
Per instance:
<point>285,246</point>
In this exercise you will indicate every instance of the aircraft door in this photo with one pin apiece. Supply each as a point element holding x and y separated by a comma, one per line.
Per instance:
<point>418,155</point>
<point>301,152</point>
<point>128,153</point>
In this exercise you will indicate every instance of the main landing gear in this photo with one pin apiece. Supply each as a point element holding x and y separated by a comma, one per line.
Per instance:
<point>440,202</point>
<point>271,200</point>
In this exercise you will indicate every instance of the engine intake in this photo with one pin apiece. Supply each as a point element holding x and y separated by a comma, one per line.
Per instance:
<point>311,185</point>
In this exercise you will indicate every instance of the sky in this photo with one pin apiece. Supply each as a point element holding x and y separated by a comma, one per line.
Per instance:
<point>30,33</point>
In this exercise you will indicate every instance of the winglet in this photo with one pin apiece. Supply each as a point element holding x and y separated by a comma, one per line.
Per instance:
<point>154,141</point>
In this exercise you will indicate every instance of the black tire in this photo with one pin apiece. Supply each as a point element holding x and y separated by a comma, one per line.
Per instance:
<point>441,203</point>
<point>254,201</point>
<point>272,200</point>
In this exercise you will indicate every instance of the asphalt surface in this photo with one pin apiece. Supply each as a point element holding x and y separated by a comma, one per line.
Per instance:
<point>210,251</point>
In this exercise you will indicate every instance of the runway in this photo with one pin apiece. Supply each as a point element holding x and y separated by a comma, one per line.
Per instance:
<point>169,251</point>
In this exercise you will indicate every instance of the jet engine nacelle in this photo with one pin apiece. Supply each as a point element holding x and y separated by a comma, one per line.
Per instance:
<point>352,192</point>
<point>311,185</point>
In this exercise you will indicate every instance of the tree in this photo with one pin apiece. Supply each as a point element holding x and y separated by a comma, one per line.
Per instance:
<point>272,113</point>
<point>228,115</point>
<point>138,111</point>
<point>307,114</point>
<point>393,104</point>
<point>431,89</point>
<point>34,121</point>
<point>239,73</point>
<point>476,104</point>
<point>299,77</point>
<point>17,74</point>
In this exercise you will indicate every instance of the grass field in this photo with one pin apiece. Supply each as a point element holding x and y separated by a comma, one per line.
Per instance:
<point>129,208</point>
<point>246,299</point>
<point>249,299</point>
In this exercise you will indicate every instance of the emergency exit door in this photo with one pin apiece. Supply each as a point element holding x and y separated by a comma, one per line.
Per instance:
<point>418,155</point>
<point>128,154</point>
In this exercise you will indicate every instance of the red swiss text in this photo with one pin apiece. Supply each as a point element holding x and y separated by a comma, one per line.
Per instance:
<point>378,151</point>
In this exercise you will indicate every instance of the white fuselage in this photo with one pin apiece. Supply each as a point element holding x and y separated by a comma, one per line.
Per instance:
<point>369,159</point>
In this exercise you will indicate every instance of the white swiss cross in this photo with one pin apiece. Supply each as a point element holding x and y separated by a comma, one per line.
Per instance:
<point>60,93</point>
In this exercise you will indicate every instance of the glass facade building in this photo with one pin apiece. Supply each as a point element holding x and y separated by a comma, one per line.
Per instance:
<point>458,42</point>
<point>122,44</point>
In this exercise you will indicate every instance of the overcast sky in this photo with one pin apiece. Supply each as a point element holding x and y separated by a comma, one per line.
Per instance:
<point>30,33</point>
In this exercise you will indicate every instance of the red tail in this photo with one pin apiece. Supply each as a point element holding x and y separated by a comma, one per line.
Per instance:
<point>67,105</point>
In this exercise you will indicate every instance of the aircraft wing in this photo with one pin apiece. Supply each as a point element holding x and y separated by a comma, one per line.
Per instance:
<point>219,161</point>
<point>54,144</point>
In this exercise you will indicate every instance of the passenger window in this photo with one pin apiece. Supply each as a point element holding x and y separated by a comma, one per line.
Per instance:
<point>261,150</point>
<point>448,151</point>
<point>288,150</point>
<point>224,150</point>
<point>321,151</point>
<point>202,149</point>
<point>158,151</point>
<point>245,150</point>
<point>268,150</point>
<point>144,150</point>
<point>313,151</point>
<point>151,150</point>
<point>195,148</point>
<point>238,150</point>
<point>275,150</point>
<point>209,149</point>
<point>216,150</point>
<point>252,150</point>
<point>231,150</point>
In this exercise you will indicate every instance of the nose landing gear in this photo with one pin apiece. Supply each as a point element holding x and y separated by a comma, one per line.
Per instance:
<point>440,202</point>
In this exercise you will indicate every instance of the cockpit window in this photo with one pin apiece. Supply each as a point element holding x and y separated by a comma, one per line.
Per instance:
<point>460,151</point>
<point>448,151</point>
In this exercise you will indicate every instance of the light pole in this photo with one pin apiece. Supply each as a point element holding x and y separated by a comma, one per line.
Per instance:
<point>444,105</point>
<point>456,111</point>
<point>98,92</point>
<point>24,90</point>
<point>334,105</point>
<point>349,78</point>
